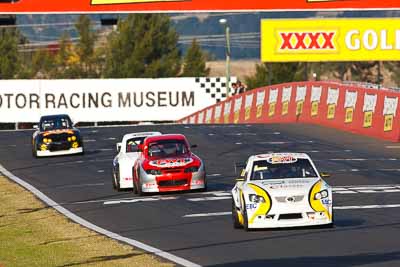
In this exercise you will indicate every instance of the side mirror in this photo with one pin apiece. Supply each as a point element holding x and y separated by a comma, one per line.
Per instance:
<point>239,166</point>
<point>119,145</point>
<point>325,175</point>
<point>193,146</point>
<point>36,127</point>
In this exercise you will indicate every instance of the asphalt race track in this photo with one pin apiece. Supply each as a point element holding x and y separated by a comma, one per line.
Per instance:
<point>197,226</point>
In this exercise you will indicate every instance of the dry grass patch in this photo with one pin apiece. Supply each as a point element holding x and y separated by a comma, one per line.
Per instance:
<point>33,235</point>
<point>239,68</point>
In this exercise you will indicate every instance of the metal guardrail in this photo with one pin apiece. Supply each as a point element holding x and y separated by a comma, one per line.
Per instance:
<point>368,85</point>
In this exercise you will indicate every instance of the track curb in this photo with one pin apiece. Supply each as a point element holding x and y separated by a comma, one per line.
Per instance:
<point>137,244</point>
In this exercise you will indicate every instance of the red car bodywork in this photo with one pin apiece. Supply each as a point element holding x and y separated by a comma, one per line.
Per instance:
<point>164,174</point>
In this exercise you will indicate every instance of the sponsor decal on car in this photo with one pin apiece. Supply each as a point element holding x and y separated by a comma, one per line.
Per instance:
<point>58,132</point>
<point>163,163</point>
<point>251,206</point>
<point>282,159</point>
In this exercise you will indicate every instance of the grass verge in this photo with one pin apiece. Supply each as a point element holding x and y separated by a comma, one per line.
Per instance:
<point>32,234</point>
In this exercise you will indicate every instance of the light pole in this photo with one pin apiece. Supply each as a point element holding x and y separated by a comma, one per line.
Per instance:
<point>224,22</point>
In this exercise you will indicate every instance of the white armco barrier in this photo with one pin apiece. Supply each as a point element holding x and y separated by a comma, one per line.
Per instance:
<point>98,100</point>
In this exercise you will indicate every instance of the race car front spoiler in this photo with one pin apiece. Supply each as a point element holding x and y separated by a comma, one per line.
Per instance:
<point>290,220</point>
<point>70,151</point>
<point>185,182</point>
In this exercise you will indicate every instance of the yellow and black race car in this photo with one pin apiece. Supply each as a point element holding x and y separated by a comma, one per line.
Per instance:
<point>56,135</point>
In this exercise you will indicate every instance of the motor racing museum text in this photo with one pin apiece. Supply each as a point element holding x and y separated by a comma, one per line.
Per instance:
<point>98,100</point>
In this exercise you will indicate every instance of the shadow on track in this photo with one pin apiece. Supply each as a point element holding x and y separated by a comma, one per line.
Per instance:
<point>336,261</point>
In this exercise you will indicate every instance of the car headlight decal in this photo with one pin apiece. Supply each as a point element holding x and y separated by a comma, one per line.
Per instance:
<point>315,198</point>
<point>263,207</point>
<point>321,195</point>
<point>153,172</point>
<point>192,169</point>
<point>256,198</point>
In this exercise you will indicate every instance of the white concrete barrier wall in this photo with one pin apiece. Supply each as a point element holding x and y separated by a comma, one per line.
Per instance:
<point>108,99</point>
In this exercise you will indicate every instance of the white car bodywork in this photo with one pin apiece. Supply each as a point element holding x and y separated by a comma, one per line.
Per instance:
<point>124,161</point>
<point>263,199</point>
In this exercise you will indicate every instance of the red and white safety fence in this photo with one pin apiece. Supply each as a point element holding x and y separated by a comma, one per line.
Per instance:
<point>350,108</point>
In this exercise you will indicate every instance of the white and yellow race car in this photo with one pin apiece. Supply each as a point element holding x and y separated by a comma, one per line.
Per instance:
<point>281,190</point>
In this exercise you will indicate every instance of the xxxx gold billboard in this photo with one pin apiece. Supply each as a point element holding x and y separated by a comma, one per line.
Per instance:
<point>330,40</point>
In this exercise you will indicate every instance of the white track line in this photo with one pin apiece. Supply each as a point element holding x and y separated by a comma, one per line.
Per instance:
<point>393,147</point>
<point>208,214</point>
<point>94,227</point>
<point>135,200</point>
<point>208,199</point>
<point>226,213</point>
<point>368,207</point>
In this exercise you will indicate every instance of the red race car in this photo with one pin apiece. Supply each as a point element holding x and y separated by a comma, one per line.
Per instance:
<point>167,164</point>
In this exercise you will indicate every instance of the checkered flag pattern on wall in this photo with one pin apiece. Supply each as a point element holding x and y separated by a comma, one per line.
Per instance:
<point>216,87</point>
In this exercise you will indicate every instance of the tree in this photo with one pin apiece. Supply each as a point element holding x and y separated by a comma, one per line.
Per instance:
<point>43,64</point>
<point>195,62</point>
<point>354,71</point>
<point>276,73</point>
<point>145,46</point>
<point>85,48</point>
<point>9,57</point>
<point>66,59</point>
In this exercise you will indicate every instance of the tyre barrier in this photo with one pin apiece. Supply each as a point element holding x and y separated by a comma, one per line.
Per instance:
<point>352,108</point>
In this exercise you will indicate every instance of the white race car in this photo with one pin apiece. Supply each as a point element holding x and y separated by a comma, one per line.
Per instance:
<point>124,161</point>
<point>281,190</point>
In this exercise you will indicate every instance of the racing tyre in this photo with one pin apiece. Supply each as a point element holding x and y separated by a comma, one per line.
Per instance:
<point>203,189</point>
<point>205,186</point>
<point>139,188</point>
<point>113,181</point>
<point>235,218</point>
<point>245,219</point>
<point>116,180</point>
<point>331,225</point>
<point>135,185</point>
<point>34,152</point>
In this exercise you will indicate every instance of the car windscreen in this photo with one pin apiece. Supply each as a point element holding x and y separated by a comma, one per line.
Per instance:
<point>132,144</point>
<point>167,148</point>
<point>300,168</point>
<point>55,123</point>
